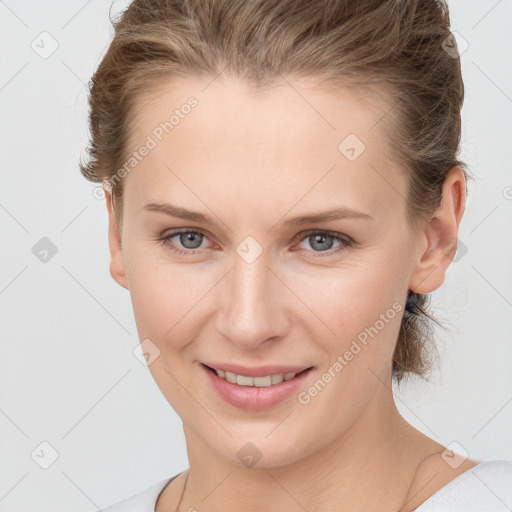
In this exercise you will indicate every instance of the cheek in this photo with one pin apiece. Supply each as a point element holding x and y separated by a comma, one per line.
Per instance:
<point>166,297</point>
<point>365,313</point>
<point>357,316</point>
<point>347,300</point>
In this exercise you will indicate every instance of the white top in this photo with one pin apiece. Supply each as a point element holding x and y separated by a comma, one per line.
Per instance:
<point>486,487</point>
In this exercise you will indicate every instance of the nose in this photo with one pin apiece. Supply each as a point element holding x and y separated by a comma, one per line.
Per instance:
<point>252,309</point>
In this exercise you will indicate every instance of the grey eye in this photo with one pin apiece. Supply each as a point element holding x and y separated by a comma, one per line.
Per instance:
<point>321,242</point>
<point>190,239</point>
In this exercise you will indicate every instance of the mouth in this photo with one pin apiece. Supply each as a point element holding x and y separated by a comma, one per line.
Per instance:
<point>254,392</point>
<point>272,379</point>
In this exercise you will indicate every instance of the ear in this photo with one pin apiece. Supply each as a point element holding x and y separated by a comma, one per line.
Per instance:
<point>440,235</point>
<point>117,268</point>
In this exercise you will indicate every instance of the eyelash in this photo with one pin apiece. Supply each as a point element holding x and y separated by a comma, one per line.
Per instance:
<point>345,240</point>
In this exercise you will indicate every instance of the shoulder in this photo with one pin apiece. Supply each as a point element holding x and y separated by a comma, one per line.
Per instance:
<point>485,486</point>
<point>141,502</point>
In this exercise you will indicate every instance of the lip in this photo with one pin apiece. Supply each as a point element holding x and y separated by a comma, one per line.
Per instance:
<point>261,371</point>
<point>252,398</point>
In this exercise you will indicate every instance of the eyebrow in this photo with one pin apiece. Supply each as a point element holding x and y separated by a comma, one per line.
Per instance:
<point>313,218</point>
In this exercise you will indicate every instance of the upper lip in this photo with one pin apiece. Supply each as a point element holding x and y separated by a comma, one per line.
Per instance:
<point>256,371</point>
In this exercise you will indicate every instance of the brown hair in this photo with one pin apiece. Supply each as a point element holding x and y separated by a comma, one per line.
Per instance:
<point>397,47</point>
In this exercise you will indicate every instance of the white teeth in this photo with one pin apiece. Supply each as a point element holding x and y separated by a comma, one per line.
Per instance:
<point>278,378</point>
<point>263,382</point>
<point>244,381</point>
<point>230,377</point>
<point>259,382</point>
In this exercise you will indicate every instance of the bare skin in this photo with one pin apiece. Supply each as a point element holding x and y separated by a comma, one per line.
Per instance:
<point>430,476</point>
<point>253,161</point>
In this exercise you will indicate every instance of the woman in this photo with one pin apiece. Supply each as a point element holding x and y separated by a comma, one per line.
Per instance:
<point>283,193</point>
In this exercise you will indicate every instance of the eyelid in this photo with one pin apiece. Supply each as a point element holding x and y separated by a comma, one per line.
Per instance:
<point>304,234</point>
<point>346,240</point>
<point>171,233</point>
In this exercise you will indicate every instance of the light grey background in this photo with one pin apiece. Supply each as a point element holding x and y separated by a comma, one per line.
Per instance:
<point>68,376</point>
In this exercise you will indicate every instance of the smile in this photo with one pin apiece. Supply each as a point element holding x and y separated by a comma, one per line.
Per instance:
<point>259,382</point>
<point>264,389</point>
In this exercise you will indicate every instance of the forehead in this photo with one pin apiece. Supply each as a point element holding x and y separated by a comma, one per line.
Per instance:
<point>279,142</point>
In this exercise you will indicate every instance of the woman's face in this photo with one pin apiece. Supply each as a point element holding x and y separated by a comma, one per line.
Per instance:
<point>261,285</point>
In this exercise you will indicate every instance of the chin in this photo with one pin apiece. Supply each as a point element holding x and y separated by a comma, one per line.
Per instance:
<point>260,451</point>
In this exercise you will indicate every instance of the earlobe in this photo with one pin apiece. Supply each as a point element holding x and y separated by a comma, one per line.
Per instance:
<point>440,233</point>
<point>117,266</point>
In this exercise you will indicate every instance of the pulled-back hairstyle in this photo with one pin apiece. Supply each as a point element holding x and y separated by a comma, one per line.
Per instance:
<point>402,50</point>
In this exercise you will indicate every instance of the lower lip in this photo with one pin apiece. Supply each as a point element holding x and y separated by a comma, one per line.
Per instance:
<point>252,398</point>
